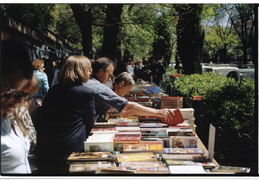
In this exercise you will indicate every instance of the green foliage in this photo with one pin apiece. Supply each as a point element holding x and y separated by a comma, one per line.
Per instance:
<point>197,84</point>
<point>37,15</point>
<point>229,106</point>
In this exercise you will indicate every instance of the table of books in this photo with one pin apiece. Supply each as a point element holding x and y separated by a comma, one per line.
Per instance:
<point>145,145</point>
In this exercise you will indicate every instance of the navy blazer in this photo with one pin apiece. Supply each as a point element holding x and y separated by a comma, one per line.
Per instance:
<point>66,119</point>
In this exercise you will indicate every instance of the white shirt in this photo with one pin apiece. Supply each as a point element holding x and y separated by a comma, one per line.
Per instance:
<point>14,149</point>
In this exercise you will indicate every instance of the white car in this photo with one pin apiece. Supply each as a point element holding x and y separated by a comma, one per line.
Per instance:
<point>223,70</point>
<point>241,73</point>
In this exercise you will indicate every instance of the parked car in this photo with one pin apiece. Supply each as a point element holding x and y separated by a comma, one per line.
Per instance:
<point>223,70</point>
<point>239,74</point>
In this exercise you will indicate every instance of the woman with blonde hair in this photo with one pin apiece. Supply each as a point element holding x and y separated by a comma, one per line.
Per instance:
<point>17,85</point>
<point>66,117</point>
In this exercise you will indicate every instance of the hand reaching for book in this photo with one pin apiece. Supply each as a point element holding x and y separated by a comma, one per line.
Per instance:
<point>173,117</point>
<point>169,115</point>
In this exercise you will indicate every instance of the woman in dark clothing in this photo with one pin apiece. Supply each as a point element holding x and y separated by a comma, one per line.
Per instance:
<point>66,117</point>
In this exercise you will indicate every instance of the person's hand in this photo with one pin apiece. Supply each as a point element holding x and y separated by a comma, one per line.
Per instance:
<point>124,114</point>
<point>168,115</point>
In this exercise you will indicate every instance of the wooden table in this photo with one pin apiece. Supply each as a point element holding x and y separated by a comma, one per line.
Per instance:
<point>201,145</point>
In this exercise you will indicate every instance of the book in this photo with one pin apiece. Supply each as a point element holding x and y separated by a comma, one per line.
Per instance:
<point>104,130</point>
<point>206,165</point>
<point>127,124</point>
<point>90,156</point>
<point>180,156</point>
<point>152,146</point>
<point>129,157</point>
<point>149,119</point>
<point>115,120</point>
<point>121,139</point>
<point>104,124</point>
<point>162,135</point>
<point>146,167</point>
<point>171,102</point>
<point>128,129</point>
<point>184,151</point>
<point>183,141</point>
<point>89,167</point>
<point>153,130</point>
<point>177,118</point>
<point>152,125</point>
<point>99,142</point>
<point>188,169</point>
<point>114,170</point>
<point>164,140</point>
<point>233,169</point>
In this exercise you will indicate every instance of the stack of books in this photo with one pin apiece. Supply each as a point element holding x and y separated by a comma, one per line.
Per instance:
<point>171,102</point>
<point>99,142</point>
<point>125,138</point>
<point>89,162</point>
<point>146,167</point>
<point>136,157</point>
<point>144,146</point>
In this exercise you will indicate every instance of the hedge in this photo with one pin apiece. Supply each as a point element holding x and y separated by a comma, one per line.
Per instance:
<point>228,105</point>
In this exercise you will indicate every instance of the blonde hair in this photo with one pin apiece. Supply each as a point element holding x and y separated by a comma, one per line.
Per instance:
<point>75,70</point>
<point>20,112</point>
<point>36,64</point>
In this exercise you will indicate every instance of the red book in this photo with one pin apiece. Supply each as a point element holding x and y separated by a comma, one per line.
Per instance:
<point>177,118</point>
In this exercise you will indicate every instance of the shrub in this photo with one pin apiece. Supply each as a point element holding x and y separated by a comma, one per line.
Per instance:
<point>230,107</point>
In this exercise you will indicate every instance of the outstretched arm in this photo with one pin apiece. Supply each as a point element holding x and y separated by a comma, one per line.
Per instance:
<point>137,109</point>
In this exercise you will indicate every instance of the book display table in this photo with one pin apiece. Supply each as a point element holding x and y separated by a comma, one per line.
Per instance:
<point>146,145</point>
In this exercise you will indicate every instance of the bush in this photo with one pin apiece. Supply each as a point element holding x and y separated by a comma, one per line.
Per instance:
<point>230,107</point>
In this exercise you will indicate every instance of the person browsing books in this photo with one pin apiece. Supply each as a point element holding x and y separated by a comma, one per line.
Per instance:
<point>65,118</point>
<point>106,98</point>
<point>123,83</point>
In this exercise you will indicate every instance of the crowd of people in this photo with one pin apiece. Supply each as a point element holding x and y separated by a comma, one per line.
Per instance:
<point>77,98</point>
<point>149,70</point>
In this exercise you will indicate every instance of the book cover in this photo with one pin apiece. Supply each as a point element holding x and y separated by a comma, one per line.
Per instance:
<point>233,169</point>
<point>89,167</point>
<point>127,138</point>
<point>177,118</point>
<point>121,139</point>
<point>183,141</point>
<point>146,167</point>
<point>206,165</point>
<point>90,156</point>
<point>104,124</point>
<point>184,151</point>
<point>186,169</point>
<point>129,157</point>
<point>153,146</point>
<point>127,124</point>
<point>99,142</point>
<point>162,135</point>
<point>83,167</point>
<point>114,170</point>
<point>164,140</point>
<point>152,125</point>
<point>180,156</point>
<point>128,129</point>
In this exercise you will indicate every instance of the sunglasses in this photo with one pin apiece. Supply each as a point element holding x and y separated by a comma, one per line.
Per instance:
<point>17,95</point>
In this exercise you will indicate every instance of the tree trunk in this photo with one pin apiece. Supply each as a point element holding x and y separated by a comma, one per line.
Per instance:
<point>84,20</point>
<point>190,38</point>
<point>111,30</point>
